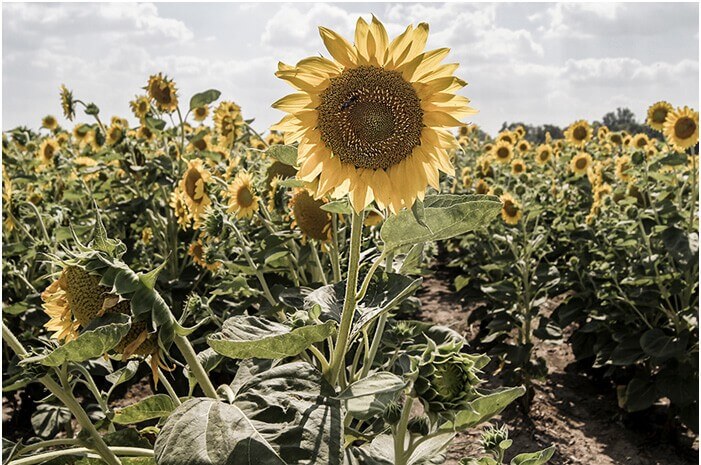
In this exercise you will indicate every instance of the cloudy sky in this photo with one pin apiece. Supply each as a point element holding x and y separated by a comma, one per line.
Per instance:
<point>538,63</point>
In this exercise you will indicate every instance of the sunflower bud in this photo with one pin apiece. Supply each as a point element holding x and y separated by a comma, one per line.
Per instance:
<point>419,425</point>
<point>493,440</point>
<point>392,413</point>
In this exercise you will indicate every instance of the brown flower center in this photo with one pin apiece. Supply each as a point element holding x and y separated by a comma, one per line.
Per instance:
<point>503,152</point>
<point>684,127</point>
<point>579,133</point>
<point>244,197</point>
<point>370,117</point>
<point>581,163</point>
<point>659,115</point>
<point>191,179</point>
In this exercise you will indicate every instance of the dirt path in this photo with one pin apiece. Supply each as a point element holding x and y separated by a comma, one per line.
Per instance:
<point>569,410</point>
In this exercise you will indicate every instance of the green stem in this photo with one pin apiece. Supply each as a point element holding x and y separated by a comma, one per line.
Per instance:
<point>320,357</point>
<point>368,277</point>
<point>68,400</point>
<point>169,388</point>
<point>49,443</point>
<point>261,278</point>
<point>195,366</point>
<point>400,432</point>
<point>82,451</point>
<point>339,352</point>
<point>315,255</point>
<point>335,259</point>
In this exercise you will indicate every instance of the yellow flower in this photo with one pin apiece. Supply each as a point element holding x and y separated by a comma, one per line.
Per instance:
<point>543,154</point>
<point>197,252</point>
<point>623,167</point>
<point>523,145</point>
<point>143,132</point>
<point>616,138</point>
<point>482,187</point>
<point>200,113</point>
<point>47,150</point>
<point>242,198</point>
<point>502,152</point>
<point>373,218</point>
<point>49,122</point>
<point>179,206</point>
<point>511,210</point>
<point>580,164</point>
<point>228,121</point>
<point>681,128</point>
<point>602,132</point>
<point>520,131</point>
<point>308,216</point>
<point>67,103</point>
<point>193,185</point>
<point>601,191</point>
<point>115,133</point>
<point>257,144</point>
<point>639,141</point>
<point>372,123</point>
<point>162,91</point>
<point>506,136</point>
<point>140,106</point>
<point>578,133</point>
<point>146,235</point>
<point>657,114</point>
<point>518,166</point>
<point>200,142</point>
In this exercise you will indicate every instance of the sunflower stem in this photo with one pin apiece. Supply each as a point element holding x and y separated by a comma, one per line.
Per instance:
<point>80,451</point>
<point>195,366</point>
<point>339,352</point>
<point>261,278</point>
<point>65,396</point>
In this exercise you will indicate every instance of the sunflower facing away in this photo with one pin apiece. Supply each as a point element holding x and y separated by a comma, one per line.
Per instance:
<point>578,133</point>
<point>242,198</point>
<point>308,216</point>
<point>681,128</point>
<point>373,121</point>
<point>657,114</point>
<point>67,103</point>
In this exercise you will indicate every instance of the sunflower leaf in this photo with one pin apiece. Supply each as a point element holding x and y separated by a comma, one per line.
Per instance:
<point>286,154</point>
<point>204,98</point>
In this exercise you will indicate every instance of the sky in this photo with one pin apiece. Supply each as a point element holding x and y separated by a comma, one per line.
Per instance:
<point>536,63</point>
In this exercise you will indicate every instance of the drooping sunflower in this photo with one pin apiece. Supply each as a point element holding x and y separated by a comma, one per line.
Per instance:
<point>193,185</point>
<point>47,150</point>
<point>681,128</point>
<point>49,122</point>
<point>115,133</point>
<point>308,216</point>
<point>511,211</point>
<point>77,297</point>
<point>640,141</point>
<point>518,166</point>
<point>580,163</point>
<point>162,90</point>
<point>143,132</point>
<point>543,154</point>
<point>657,114</point>
<point>373,121</point>
<point>623,167</point>
<point>502,152</point>
<point>67,103</point>
<point>200,113</point>
<point>578,133</point>
<point>201,141</point>
<point>140,106</point>
<point>243,200</point>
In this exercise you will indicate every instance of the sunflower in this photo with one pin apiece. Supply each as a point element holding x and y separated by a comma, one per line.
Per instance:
<point>228,121</point>
<point>162,90</point>
<point>484,163</point>
<point>657,114</point>
<point>511,210</point>
<point>77,297</point>
<point>615,138</point>
<point>258,144</point>
<point>372,122</point>
<point>121,122</point>
<point>179,206</point>
<point>487,148</point>
<point>373,218</point>
<point>115,133</point>
<point>197,252</point>
<point>242,198</point>
<point>543,154</point>
<point>523,146</point>
<point>67,103</point>
<point>200,142</point>
<point>681,128</point>
<point>308,216</point>
<point>49,122</point>
<point>143,132</point>
<point>62,138</point>
<point>481,187</point>
<point>580,164</point>
<point>506,136</point>
<point>464,131</point>
<point>275,138</point>
<point>578,133</point>
<point>200,113</point>
<point>140,106</point>
<point>47,150</point>
<point>502,152</point>
<point>518,166</point>
<point>623,167</point>
<point>520,131</point>
<point>640,141</point>
<point>602,132</point>
<point>465,176</point>
<point>193,185</point>
<point>601,191</point>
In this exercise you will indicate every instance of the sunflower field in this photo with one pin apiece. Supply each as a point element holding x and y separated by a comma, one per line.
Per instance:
<point>188,290</point>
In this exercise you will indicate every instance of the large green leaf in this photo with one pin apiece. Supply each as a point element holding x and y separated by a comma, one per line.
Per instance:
<point>657,344</point>
<point>255,337</point>
<point>100,336</point>
<point>210,432</point>
<point>295,408</point>
<point>370,396</point>
<point>484,408</point>
<point>157,406</point>
<point>445,216</point>
<point>639,394</point>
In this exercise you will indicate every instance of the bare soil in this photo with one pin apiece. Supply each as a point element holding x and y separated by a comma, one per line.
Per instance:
<point>570,410</point>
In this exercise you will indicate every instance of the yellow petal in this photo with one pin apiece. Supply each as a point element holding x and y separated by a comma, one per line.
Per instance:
<point>342,51</point>
<point>377,29</point>
<point>440,119</point>
<point>293,102</point>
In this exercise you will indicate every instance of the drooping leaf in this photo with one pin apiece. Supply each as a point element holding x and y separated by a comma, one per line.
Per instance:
<point>156,406</point>
<point>95,340</point>
<point>204,98</point>
<point>255,337</point>
<point>640,394</point>
<point>445,216</point>
<point>484,408</point>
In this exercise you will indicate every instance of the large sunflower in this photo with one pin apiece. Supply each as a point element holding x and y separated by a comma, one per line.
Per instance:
<point>657,114</point>
<point>373,121</point>
<point>681,128</point>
